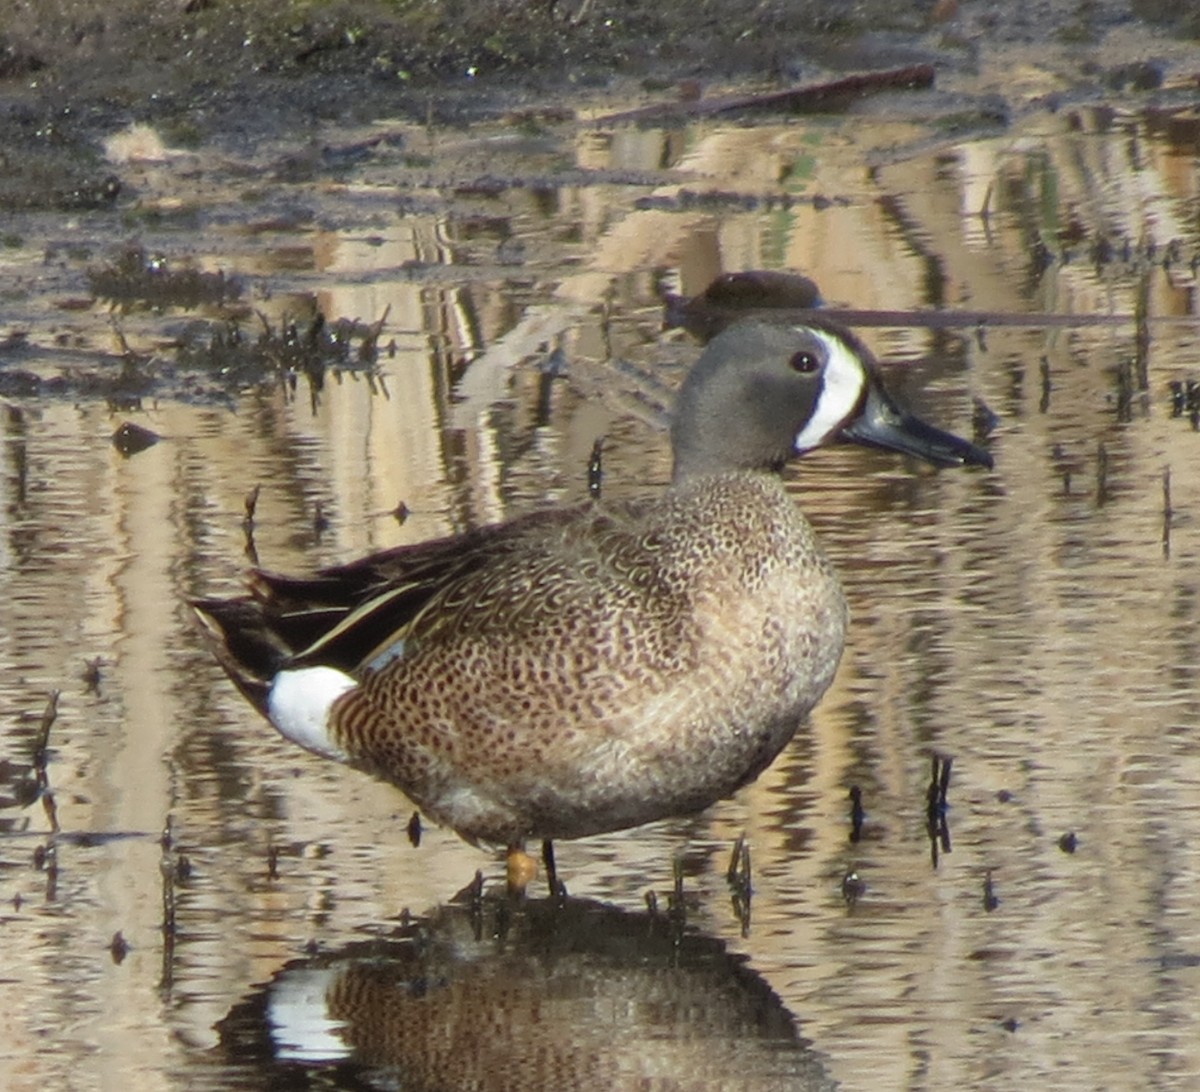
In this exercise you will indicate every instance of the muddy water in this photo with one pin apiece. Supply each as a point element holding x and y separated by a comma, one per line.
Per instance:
<point>1036,625</point>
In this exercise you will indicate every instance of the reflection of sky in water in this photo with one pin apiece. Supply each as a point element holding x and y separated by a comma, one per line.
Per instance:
<point>1029,623</point>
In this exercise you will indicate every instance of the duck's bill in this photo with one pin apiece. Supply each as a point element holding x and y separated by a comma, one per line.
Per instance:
<point>882,424</point>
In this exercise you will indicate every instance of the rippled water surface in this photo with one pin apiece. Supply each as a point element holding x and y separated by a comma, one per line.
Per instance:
<point>1036,626</point>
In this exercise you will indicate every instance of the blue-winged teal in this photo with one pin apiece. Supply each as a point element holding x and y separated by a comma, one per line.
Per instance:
<point>591,668</point>
<point>734,297</point>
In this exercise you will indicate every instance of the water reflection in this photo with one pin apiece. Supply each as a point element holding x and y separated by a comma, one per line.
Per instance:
<point>495,995</point>
<point>1029,626</point>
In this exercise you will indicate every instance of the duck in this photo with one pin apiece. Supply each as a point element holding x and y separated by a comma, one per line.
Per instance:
<point>733,297</point>
<point>593,667</point>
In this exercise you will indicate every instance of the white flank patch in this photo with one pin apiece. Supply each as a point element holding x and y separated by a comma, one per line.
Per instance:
<point>842,387</point>
<point>299,704</point>
<point>298,1015</point>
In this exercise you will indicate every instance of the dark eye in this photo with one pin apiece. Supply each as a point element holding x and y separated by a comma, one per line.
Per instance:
<point>805,362</point>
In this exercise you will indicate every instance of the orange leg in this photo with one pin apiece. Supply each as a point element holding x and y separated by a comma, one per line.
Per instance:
<point>521,869</point>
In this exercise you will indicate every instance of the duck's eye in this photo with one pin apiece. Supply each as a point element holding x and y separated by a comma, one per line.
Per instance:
<point>805,362</point>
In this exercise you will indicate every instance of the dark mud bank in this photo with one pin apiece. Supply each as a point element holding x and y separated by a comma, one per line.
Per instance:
<point>211,72</point>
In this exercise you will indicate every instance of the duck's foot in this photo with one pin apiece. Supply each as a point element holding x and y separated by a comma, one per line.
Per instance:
<point>520,869</point>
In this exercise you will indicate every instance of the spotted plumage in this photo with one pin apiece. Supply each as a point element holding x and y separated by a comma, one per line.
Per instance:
<point>586,669</point>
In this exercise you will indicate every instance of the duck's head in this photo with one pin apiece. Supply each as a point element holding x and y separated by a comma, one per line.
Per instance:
<point>763,393</point>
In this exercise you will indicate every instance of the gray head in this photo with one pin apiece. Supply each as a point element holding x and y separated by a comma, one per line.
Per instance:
<point>763,393</point>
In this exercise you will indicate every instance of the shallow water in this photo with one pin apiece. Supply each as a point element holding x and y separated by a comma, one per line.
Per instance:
<point>1037,625</point>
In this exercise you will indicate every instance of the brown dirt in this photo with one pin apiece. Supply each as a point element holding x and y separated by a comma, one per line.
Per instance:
<point>215,71</point>
<point>210,62</point>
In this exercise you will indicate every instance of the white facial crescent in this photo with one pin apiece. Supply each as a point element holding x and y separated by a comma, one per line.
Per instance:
<point>842,386</point>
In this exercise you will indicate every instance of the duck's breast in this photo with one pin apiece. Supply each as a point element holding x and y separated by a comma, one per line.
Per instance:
<point>767,618</point>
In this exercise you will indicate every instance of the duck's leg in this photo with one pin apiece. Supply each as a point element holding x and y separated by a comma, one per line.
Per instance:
<point>520,868</point>
<point>551,871</point>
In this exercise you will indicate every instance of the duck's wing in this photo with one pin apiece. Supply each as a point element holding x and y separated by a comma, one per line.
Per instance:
<point>347,615</point>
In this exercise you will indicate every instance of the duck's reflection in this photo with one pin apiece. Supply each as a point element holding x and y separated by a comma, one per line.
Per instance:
<point>495,995</point>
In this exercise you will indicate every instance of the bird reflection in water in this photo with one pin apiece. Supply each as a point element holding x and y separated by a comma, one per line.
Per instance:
<point>539,994</point>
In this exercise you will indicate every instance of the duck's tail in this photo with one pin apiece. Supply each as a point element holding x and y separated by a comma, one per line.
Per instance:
<point>245,645</point>
<point>297,700</point>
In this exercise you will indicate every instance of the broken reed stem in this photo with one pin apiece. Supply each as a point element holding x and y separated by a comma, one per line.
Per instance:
<point>936,805</point>
<point>42,739</point>
<point>986,208</point>
<point>369,349</point>
<point>1168,511</point>
<point>1141,321</point>
<point>168,926</point>
<point>675,905</point>
<point>735,858</point>
<point>741,888</point>
<point>41,746</point>
<point>250,504</point>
